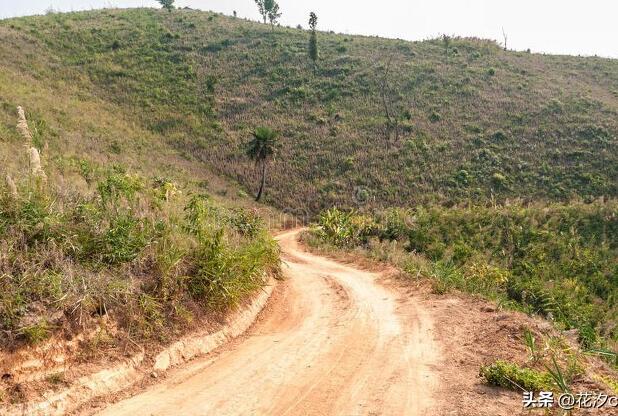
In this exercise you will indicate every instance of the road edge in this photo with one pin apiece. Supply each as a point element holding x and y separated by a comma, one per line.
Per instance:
<point>132,370</point>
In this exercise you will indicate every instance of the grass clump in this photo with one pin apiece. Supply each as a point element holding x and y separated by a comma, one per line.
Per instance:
<point>560,365</point>
<point>511,376</point>
<point>35,333</point>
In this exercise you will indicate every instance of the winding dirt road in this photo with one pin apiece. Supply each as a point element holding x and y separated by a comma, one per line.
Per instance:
<point>334,341</point>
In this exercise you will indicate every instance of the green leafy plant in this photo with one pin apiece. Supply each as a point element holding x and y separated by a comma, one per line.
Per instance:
<point>509,375</point>
<point>530,342</point>
<point>557,375</point>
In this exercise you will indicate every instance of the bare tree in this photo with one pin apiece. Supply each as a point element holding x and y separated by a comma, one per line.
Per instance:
<point>505,38</point>
<point>391,104</point>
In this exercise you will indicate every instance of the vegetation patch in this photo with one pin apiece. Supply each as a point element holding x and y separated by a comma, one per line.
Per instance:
<point>136,249</point>
<point>558,261</point>
<point>511,376</point>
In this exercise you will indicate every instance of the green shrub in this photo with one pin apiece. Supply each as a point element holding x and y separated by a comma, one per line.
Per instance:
<point>246,223</point>
<point>122,241</point>
<point>499,180</point>
<point>345,228</point>
<point>511,376</point>
<point>499,137</point>
<point>117,185</point>
<point>36,333</point>
<point>462,177</point>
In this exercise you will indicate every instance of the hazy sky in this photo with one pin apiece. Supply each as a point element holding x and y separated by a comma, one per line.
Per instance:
<point>587,27</point>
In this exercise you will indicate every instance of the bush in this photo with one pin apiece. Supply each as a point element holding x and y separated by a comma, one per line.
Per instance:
<point>435,117</point>
<point>124,239</point>
<point>499,180</point>
<point>345,229</point>
<point>246,223</point>
<point>511,376</point>
<point>65,251</point>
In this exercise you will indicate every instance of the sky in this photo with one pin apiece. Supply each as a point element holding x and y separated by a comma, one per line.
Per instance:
<point>574,27</point>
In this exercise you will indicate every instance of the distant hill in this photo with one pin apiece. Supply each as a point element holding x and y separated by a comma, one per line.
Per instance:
<point>158,90</point>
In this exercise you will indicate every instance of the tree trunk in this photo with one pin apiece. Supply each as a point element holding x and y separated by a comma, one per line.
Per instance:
<point>259,195</point>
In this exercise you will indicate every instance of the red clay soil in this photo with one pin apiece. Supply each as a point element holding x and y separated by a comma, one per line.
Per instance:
<point>336,339</point>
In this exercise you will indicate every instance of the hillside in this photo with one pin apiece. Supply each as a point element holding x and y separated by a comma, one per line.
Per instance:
<point>157,90</point>
<point>485,188</point>
<point>106,230</point>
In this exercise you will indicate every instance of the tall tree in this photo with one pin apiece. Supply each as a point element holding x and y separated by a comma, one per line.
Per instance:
<point>262,149</point>
<point>269,9</point>
<point>393,106</point>
<point>273,12</point>
<point>167,4</point>
<point>313,39</point>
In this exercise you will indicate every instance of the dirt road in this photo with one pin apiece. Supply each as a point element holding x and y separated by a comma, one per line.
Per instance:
<point>333,342</point>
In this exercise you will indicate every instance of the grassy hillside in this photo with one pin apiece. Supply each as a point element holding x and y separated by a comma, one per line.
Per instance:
<point>111,227</point>
<point>157,90</point>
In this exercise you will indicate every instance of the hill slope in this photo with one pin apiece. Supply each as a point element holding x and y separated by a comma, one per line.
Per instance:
<point>475,122</point>
<point>141,116</point>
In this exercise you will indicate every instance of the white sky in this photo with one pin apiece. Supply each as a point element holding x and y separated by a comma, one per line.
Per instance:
<point>574,27</point>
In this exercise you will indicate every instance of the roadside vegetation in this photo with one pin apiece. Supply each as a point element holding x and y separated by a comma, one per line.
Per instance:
<point>144,252</point>
<point>552,365</point>
<point>558,261</point>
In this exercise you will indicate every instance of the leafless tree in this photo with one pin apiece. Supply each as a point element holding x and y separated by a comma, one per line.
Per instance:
<point>505,38</point>
<point>391,104</point>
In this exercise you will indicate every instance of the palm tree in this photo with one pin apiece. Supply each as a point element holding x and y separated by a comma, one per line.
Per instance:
<point>262,148</point>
